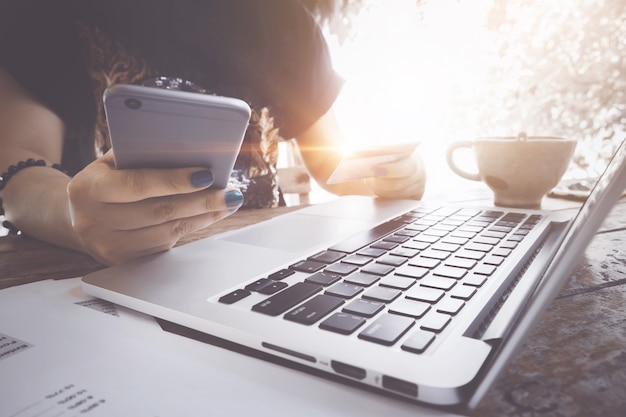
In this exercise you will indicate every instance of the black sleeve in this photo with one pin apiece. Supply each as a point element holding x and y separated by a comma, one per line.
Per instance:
<point>276,50</point>
<point>40,49</point>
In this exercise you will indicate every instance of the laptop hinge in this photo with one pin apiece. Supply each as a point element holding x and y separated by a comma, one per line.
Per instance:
<point>508,308</point>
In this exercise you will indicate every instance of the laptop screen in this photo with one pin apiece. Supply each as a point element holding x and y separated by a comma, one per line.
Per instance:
<point>582,228</point>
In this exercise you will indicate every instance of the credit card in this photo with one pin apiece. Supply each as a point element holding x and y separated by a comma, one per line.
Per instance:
<point>362,163</point>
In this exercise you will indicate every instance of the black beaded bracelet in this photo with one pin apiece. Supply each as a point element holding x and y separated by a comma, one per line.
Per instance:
<point>10,172</point>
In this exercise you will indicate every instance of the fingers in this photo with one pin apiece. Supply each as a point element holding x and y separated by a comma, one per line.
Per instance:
<point>159,210</point>
<point>405,178</point>
<point>112,185</point>
<point>122,246</point>
<point>122,214</point>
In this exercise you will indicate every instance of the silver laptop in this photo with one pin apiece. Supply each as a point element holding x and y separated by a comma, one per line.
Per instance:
<point>427,303</point>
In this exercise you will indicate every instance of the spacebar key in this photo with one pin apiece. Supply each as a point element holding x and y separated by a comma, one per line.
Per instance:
<point>284,300</point>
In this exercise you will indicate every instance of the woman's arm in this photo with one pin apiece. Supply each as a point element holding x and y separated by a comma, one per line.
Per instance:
<point>321,147</point>
<point>113,215</point>
<point>35,199</point>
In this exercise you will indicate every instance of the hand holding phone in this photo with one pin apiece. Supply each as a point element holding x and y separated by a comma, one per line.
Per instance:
<point>159,128</point>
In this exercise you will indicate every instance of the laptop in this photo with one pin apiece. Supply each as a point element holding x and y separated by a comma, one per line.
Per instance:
<point>425,303</point>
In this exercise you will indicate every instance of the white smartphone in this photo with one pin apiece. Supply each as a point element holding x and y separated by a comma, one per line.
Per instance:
<point>158,128</point>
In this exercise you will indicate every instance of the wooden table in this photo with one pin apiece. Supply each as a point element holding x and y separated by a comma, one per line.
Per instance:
<point>573,365</point>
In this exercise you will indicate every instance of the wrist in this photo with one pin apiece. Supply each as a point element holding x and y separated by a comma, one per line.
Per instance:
<point>11,171</point>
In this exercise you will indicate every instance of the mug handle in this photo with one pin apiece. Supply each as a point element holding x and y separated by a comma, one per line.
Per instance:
<point>452,164</point>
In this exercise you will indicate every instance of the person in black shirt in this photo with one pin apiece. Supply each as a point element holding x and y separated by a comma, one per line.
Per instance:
<point>56,59</point>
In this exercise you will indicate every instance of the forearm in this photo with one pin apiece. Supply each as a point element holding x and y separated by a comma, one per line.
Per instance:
<point>321,150</point>
<point>35,202</point>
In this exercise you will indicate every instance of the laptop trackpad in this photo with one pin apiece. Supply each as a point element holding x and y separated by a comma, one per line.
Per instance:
<point>295,232</point>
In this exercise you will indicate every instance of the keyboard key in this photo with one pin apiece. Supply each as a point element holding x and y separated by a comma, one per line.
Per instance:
<point>341,269</point>
<point>377,269</point>
<point>286,299</point>
<point>362,279</point>
<point>470,254</point>
<point>387,246</point>
<point>358,260</point>
<point>381,294</point>
<point>234,296</point>
<point>438,282</point>
<point>418,342</point>
<point>308,266</point>
<point>480,247</point>
<point>475,280</point>
<point>391,260</point>
<point>328,256</point>
<point>455,240</point>
<point>484,269</point>
<point>487,240</point>
<point>282,274</point>
<point>365,308</point>
<point>387,329</point>
<point>416,245</point>
<point>435,254</point>
<point>371,252</point>
<point>397,238</point>
<point>424,262</point>
<point>360,240</point>
<point>258,284</point>
<point>410,308</point>
<point>426,238</point>
<point>509,244</point>
<point>314,309</point>
<point>450,306</point>
<point>494,234</point>
<point>394,281</point>
<point>469,229</point>
<point>272,288</point>
<point>417,227</point>
<point>428,295</point>
<point>501,252</point>
<point>505,230</point>
<point>433,231</point>
<point>407,232</point>
<point>463,292</point>
<point>404,252</point>
<point>323,278</point>
<point>464,234</point>
<point>460,262</point>
<point>444,227</point>
<point>445,247</point>
<point>435,322</point>
<point>344,290</point>
<point>494,260</point>
<point>342,323</point>
<point>410,271</point>
<point>449,271</point>
<point>454,221</point>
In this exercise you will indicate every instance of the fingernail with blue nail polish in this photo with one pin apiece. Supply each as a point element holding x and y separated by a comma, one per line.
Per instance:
<point>233,198</point>
<point>202,178</point>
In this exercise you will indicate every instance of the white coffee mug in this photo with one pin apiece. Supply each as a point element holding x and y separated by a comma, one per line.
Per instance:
<point>519,170</point>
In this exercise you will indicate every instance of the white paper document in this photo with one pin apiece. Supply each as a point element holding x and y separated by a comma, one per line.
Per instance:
<point>63,353</point>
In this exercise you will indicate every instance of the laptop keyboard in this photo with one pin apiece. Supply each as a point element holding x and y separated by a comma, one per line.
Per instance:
<point>412,275</point>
